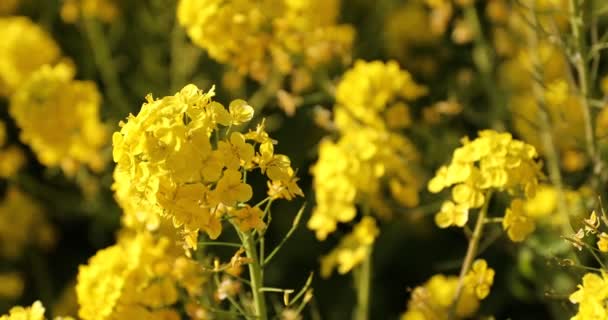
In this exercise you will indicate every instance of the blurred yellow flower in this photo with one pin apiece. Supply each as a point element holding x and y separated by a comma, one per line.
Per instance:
<point>479,279</point>
<point>517,223</point>
<point>59,118</point>
<point>24,48</point>
<point>591,296</point>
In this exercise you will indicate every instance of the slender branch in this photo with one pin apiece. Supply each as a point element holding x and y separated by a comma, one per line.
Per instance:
<point>363,284</point>
<point>105,66</point>
<point>471,253</point>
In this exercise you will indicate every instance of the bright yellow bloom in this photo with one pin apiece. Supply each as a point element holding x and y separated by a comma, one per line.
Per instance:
<point>602,244</point>
<point>169,166</point>
<point>352,249</point>
<point>137,278</point>
<point>24,48</point>
<point>493,161</point>
<point>369,153</point>
<point>59,118</point>
<point>591,297</point>
<point>371,92</point>
<point>248,218</point>
<point>517,223</point>
<point>479,279</point>
<point>452,214</point>
<point>257,38</point>
<point>35,312</point>
<point>433,299</point>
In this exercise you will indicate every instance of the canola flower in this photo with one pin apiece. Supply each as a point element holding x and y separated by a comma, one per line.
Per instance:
<point>591,297</point>
<point>258,38</point>
<point>492,162</point>
<point>352,249</point>
<point>59,118</point>
<point>22,224</point>
<point>178,159</point>
<point>24,48</point>
<point>34,312</point>
<point>370,152</point>
<point>433,299</point>
<point>146,285</point>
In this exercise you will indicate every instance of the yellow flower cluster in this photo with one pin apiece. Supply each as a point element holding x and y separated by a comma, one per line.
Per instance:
<point>352,249</point>
<point>11,157</point>
<point>24,48</point>
<point>35,312</point>
<point>260,37</point>
<point>178,159</point>
<point>22,223</point>
<point>591,297</point>
<point>479,279</point>
<point>138,278</point>
<point>433,299</point>
<point>370,152</point>
<point>104,10</point>
<point>493,161</point>
<point>59,118</point>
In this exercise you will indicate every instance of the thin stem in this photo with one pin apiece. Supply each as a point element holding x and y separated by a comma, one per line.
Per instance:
<point>363,284</point>
<point>471,253</point>
<point>255,275</point>
<point>102,56</point>
<point>577,25</point>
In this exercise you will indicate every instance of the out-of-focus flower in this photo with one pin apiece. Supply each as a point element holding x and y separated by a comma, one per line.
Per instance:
<point>24,48</point>
<point>145,285</point>
<point>352,249</point>
<point>12,285</point>
<point>258,38</point>
<point>59,118</point>
<point>433,299</point>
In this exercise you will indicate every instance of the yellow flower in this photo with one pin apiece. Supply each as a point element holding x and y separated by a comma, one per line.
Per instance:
<point>452,214</point>
<point>230,189</point>
<point>237,152</point>
<point>24,48</point>
<point>433,299</point>
<point>248,218</point>
<point>144,286</point>
<point>276,166</point>
<point>517,223</point>
<point>352,249</point>
<point>240,111</point>
<point>259,38</point>
<point>167,165</point>
<point>35,312</point>
<point>59,118</point>
<point>479,279</point>
<point>602,244</point>
<point>591,296</point>
<point>493,161</point>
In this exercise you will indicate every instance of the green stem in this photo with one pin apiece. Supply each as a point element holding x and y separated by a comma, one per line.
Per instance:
<point>577,24</point>
<point>546,132</point>
<point>255,275</point>
<point>363,284</point>
<point>471,253</point>
<point>105,66</point>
